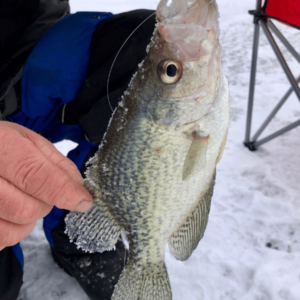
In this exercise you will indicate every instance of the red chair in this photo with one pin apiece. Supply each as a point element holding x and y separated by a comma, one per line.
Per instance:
<point>287,12</point>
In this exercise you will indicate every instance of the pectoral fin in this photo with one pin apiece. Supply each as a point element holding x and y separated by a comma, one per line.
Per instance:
<point>185,240</point>
<point>196,155</point>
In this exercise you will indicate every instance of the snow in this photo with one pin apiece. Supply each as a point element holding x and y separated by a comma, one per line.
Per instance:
<point>251,248</point>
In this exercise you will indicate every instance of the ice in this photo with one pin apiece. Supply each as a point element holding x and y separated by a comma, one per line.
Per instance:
<point>102,275</point>
<point>169,2</point>
<point>251,248</point>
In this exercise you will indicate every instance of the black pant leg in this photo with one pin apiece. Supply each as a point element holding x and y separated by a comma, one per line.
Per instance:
<point>11,274</point>
<point>97,273</point>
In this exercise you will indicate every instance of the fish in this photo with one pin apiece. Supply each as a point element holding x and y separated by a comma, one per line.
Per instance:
<point>153,176</point>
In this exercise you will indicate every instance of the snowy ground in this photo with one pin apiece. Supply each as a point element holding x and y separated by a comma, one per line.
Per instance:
<point>251,248</point>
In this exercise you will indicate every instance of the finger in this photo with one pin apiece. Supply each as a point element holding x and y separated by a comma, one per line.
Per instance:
<point>48,149</point>
<point>11,234</point>
<point>29,170</point>
<point>18,207</point>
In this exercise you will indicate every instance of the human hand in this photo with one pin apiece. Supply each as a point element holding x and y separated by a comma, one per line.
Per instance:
<point>34,176</point>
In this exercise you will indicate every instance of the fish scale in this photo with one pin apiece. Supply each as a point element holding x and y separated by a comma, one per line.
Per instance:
<point>153,175</point>
<point>140,160</point>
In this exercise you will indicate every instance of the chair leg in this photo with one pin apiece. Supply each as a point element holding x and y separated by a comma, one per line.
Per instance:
<point>253,144</point>
<point>277,133</point>
<point>283,40</point>
<point>273,113</point>
<point>281,59</point>
<point>247,142</point>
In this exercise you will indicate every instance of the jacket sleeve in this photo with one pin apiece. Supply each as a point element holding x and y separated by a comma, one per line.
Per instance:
<point>22,24</point>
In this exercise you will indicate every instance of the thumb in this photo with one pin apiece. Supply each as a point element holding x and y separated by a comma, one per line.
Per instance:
<point>29,169</point>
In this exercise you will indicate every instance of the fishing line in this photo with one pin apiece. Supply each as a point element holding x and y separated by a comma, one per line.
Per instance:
<point>125,257</point>
<point>107,87</point>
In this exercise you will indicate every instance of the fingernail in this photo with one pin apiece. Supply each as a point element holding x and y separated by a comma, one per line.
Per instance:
<point>83,206</point>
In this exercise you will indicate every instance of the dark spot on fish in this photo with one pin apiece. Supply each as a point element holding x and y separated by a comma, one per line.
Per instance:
<point>158,151</point>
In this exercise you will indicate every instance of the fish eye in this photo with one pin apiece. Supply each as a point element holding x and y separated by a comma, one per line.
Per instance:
<point>169,71</point>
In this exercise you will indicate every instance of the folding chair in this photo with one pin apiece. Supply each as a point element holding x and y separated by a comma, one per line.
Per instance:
<point>287,12</point>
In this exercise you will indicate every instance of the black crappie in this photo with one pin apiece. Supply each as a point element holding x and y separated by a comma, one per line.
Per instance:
<point>153,175</point>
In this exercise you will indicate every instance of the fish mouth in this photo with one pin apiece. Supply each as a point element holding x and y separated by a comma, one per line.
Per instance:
<point>183,11</point>
<point>186,24</point>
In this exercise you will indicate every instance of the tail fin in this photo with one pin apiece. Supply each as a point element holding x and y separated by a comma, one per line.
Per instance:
<point>142,283</point>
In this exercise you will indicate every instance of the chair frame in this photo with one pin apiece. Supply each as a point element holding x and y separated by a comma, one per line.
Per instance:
<point>263,21</point>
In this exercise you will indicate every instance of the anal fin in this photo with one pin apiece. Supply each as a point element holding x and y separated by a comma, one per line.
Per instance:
<point>185,240</point>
